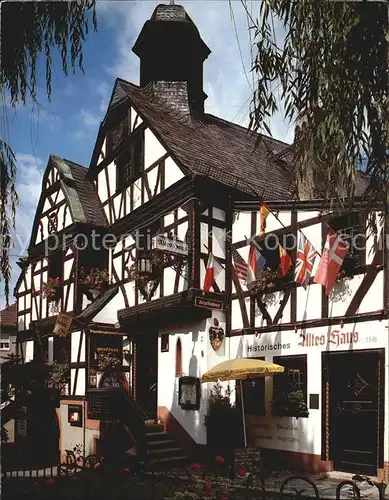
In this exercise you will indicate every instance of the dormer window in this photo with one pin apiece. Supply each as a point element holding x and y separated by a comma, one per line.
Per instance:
<point>130,163</point>
<point>118,128</point>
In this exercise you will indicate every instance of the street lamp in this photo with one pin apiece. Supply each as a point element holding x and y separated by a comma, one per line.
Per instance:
<point>145,267</point>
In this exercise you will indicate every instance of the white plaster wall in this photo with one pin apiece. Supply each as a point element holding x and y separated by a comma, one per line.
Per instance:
<point>72,436</point>
<point>196,360</point>
<point>173,173</point>
<point>109,313</point>
<point>304,435</point>
<point>102,186</point>
<point>153,148</point>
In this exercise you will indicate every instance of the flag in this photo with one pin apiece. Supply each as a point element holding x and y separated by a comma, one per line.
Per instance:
<point>264,211</point>
<point>211,273</point>
<point>305,260</point>
<point>240,265</point>
<point>285,261</point>
<point>331,261</point>
<point>256,262</point>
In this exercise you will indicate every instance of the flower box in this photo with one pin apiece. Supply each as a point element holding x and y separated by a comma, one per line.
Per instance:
<point>291,404</point>
<point>95,279</point>
<point>50,289</point>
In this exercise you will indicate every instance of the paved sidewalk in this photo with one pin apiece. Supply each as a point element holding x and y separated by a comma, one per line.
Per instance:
<point>326,486</point>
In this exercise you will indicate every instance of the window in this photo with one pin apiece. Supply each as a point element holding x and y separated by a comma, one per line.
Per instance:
<point>55,269</point>
<point>118,128</point>
<point>130,163</point>
<point>5,342</point>
<point>253,394</point>
<point>349,228</point>
<point>290,387</point>
<point>178,358</point>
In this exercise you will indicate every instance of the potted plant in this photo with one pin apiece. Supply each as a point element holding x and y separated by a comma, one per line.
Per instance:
<point>290,404</point>
<point>223,423</point>
<point>95,279</point>
<point>50,289</point>
<point>58,376</point>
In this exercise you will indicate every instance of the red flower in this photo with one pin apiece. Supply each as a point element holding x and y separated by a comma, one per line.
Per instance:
<point>97,466</point>
<point>219,459</point>
<point>50,482</point>
<point>241,472</point>
<point>208,485</point>
<point>196,466</point>
<point>126,470</point>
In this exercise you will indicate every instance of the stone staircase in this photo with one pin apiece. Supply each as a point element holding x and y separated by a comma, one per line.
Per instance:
<point>163,452</point>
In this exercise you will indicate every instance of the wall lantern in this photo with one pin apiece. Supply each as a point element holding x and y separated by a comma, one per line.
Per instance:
<point>189,393</point>
<point>145,268</point>
<point>75,415</point>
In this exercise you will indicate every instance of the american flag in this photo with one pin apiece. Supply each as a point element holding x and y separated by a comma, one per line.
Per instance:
<point>305,260</point>
<point>240,265</point>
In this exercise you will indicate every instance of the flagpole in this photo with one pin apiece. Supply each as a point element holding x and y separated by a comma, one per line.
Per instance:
<point>283,225</point>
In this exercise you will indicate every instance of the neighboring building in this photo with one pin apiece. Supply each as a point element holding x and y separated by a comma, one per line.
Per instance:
<point>8,332</point>
<point>163,167</point>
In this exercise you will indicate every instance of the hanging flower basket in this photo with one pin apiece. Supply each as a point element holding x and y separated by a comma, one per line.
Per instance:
<point>348,268</point>
<point>95,279</point>
<point>50,289</point>
<point>266,280</point>
<point>148,280</point>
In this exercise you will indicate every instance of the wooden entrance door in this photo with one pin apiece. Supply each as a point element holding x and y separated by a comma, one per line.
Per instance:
<point>147,373</point>
<point>355,385</point>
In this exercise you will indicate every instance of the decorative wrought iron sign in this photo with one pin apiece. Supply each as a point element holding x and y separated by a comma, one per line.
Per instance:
<point>171,245</point>
<point>62,325</point>
<point>208,303</point>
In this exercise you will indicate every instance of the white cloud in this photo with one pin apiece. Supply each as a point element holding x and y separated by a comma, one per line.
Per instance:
<point>29,184</point>
<point>228,80</point>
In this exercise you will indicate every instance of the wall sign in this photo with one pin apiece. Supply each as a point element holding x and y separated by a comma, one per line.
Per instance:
<point>171,245</point>
<point>75,415</point>
<point>216,335</point>
<point>208,303</point>
<point>336,337</point>
<point>62,325</point>
<point>189,393</point>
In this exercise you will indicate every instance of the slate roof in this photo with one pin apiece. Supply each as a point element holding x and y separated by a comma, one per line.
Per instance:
<point>210,146</point>
<point>8,317</point>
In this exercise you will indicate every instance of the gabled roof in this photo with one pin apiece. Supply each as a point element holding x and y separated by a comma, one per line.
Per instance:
<point>215,148</point>
<point>8,317</point>
<point>80,194</point>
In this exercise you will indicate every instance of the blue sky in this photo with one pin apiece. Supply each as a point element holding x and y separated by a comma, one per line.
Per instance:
<point>67,126</point>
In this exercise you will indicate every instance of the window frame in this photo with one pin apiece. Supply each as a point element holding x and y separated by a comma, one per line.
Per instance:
<point>279,384</point>
<point>128,162</point>
<point>178,358</point>
<point>5,340</point>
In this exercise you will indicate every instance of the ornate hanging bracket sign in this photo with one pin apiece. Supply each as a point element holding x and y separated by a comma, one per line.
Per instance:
<point>62,325</point>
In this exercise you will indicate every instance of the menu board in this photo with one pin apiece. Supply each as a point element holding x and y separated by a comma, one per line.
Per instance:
<point>248,459</point>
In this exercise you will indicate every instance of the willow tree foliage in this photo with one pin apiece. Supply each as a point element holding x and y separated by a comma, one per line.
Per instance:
<point>30,33</point>
<point>324,66</point>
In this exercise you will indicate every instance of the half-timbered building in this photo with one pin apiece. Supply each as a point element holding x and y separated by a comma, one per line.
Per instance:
<point>129,238</point>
